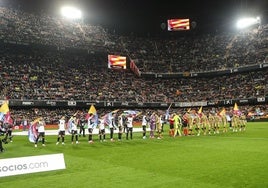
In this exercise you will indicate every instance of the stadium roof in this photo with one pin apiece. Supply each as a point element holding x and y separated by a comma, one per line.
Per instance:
<point>147,16</point>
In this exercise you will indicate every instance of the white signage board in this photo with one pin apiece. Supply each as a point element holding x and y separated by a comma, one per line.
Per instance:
<point>31,164</point>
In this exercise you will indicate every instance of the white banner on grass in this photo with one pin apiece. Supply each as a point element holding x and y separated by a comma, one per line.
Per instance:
<point>32,164</point>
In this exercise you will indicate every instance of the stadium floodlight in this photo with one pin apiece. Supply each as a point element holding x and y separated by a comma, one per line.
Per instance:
<point>71,12</point>
<point>247,22</point>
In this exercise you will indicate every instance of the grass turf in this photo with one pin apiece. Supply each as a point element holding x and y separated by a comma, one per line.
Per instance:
<point>226,160</point>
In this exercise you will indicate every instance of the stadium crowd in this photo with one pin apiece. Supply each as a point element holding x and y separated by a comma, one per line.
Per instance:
<point>20,26</point>
<point>70,63</point>
<point>195,53</point>
<point>48,75</point>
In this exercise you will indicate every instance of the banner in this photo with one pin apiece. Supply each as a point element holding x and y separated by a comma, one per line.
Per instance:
<point>32,164</point>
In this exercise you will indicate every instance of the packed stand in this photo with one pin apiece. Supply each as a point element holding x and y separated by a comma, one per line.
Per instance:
<point>195,53</point>
<point>55,75</point>
<point>47,74</point>
<point>23,27</point>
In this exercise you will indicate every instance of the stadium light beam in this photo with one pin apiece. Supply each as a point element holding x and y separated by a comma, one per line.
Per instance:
<point>71,12</point>
<point>247,22</point>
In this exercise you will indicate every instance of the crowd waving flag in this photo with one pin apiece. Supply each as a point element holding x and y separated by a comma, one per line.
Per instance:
<point>5,115</point>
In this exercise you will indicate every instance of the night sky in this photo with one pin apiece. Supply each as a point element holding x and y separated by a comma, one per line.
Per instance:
<point>146,16</point>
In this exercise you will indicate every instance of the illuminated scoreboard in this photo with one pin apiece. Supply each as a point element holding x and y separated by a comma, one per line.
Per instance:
<point>178,24</point>
<point>117,62</point>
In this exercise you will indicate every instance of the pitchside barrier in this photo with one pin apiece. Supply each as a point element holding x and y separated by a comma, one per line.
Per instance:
<point>31,164</point>
<point>80,104</point>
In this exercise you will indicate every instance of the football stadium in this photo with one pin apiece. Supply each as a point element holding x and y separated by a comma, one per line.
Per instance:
<point>133,93</point>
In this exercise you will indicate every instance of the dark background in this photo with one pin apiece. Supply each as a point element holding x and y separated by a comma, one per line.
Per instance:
<point>146,16</point>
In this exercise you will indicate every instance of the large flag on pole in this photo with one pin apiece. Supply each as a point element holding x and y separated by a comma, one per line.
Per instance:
<point>107,117</point>
<point>32,132</point>
<point>8,119</point>
<point>167,115</point>
<point>200,110</point>
<point>5,115</point>
<point>92,110</point>
<point>236,110</point>
<point>133,113</point>
<point>236,107</point>
<point>92,113</point>
<point>4,108</point>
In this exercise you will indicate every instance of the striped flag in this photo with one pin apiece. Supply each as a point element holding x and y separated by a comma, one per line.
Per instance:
<point>116,61</point>
<point>178,24</point>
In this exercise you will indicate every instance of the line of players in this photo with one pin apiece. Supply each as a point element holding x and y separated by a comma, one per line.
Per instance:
<point>193,123</point>
<point>122,123</point>
<point>190,123</point>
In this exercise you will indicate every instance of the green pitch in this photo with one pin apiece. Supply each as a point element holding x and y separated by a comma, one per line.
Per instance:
<point>226,160</point>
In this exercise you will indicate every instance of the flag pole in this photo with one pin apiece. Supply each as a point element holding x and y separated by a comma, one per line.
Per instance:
<point>169,106</point>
